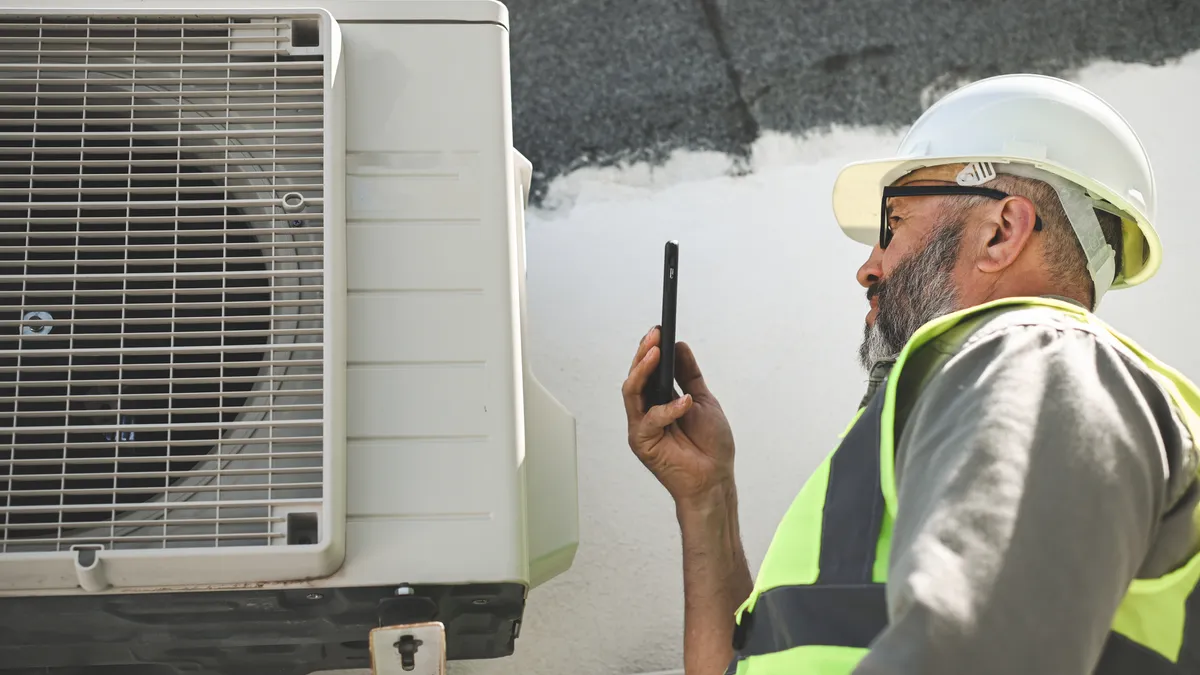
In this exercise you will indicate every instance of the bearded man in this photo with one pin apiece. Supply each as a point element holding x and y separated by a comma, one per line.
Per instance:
<point>1017,491</point>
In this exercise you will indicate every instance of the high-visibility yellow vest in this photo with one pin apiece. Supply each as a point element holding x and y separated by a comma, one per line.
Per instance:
<point>819,601</point>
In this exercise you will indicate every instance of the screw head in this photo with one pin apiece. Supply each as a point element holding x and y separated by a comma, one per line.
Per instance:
<point>33,328</point>
<point>314,596</point>
<point>480,601</point>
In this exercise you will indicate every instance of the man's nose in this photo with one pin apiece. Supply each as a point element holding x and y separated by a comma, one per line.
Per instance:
<point>872,270</point>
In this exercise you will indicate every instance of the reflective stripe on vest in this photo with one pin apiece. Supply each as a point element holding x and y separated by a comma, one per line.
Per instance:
<point>843,608</point>
<point>824,622</point>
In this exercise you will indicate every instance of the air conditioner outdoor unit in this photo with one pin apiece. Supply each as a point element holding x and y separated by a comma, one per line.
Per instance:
<point>264,383</point>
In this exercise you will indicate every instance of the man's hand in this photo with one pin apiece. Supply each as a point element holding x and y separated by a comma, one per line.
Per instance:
<point>687,444</point>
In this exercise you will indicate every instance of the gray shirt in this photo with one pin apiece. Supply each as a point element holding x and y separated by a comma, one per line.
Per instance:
<point>1039,469</point>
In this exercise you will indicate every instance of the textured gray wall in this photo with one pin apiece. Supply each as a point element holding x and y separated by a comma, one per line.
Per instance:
<point>597,81</point>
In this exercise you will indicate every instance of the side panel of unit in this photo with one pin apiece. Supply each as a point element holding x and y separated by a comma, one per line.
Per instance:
<point>434,402</point>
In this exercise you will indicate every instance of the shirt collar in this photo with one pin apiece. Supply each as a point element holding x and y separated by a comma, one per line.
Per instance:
<point>883,367</point>
<point>879,373</point>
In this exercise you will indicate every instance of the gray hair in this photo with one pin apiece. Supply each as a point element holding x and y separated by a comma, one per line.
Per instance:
<point>1065,258</point>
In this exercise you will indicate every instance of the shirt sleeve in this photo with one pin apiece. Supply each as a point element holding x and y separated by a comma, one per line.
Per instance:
<point>1031,473</point>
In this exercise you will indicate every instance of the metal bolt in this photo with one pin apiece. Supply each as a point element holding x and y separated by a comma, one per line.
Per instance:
<point>480,601</point>
<point>296,223</point>
<point>315,596</point>
<point>36,328</point>
<point>405,590</point>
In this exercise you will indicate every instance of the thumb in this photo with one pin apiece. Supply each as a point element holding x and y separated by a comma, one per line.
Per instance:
<point>687,372</point>
<point>650,428</point>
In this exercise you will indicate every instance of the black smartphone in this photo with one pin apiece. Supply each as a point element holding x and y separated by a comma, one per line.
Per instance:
<point>661,387</point>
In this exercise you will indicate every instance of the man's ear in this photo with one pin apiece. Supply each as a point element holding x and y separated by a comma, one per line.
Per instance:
<point>1005,232</point>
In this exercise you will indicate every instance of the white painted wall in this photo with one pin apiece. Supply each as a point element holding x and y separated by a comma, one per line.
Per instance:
<point>769,302</point>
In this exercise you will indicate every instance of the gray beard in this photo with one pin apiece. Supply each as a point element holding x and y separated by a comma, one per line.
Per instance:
<point>919,290</point>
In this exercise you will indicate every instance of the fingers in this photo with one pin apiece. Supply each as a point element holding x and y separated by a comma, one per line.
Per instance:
<point>687,372</point>
<point>648,340</point>
<point>635,384</point>
<point>650,428</point>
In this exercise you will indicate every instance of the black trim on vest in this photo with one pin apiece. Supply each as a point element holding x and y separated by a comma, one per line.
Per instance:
<point>854,505</point>
<point>853,616</point>
<point>1122,656</point>
<point>795,616</point>
<point>1189,653</point>
<point>829,611</point>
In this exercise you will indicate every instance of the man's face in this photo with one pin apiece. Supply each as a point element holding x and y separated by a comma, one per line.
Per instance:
<point>912,281</point>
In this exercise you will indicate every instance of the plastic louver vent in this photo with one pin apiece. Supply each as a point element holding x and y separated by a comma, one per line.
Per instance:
<point>161,279</point>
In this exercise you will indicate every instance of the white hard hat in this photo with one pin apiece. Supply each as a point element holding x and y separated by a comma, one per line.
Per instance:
<point>1046,123</point>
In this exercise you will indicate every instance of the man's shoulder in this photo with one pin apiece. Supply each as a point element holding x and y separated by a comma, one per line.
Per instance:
<point>1013,343</point>
<point>1051,362</point>
<point>1005,320</point>
<point>1003,332</point>
<point>1036,342</point>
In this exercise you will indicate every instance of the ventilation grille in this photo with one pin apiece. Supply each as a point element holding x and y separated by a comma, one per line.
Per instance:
<point>161,280</point>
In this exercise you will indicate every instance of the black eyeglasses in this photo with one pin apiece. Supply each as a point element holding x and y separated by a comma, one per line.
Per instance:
<point>885,229</point>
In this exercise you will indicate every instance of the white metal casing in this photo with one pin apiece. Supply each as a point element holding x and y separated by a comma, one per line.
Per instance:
<point>444,460</point>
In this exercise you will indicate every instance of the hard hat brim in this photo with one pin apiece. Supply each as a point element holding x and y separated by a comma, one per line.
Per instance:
<point>858,190</point>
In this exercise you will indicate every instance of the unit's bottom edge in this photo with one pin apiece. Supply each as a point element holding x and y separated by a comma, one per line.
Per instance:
<point>245,632</point>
